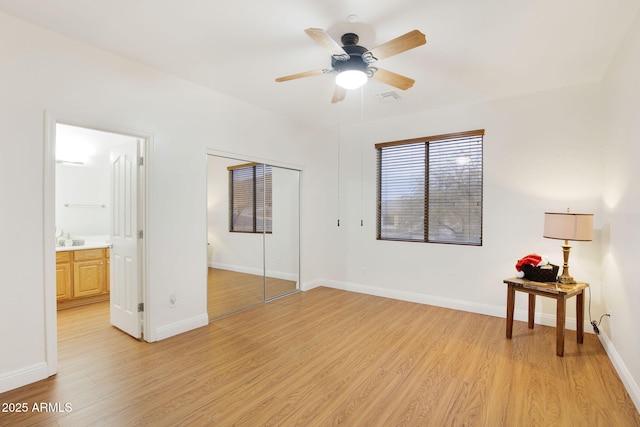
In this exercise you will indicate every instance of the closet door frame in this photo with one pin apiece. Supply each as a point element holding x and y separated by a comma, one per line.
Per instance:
<point>253,159</point>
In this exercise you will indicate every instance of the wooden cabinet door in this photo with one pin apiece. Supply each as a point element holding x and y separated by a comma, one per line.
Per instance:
<point>63,281</point>
<point>88,278</point>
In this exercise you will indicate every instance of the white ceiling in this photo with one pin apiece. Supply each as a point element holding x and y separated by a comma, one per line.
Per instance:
<point>476,49</point>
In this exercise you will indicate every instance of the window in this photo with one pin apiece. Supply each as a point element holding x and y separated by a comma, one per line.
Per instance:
<point>250,198</point>
<point>430,189</point>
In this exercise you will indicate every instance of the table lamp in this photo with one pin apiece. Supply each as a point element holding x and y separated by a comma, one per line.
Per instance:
<point>568,226</point>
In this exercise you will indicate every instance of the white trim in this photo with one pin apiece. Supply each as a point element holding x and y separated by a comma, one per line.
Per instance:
<point>248,158</point>
<point>633,388</point>
<point>468,306</point>
<point>259,272</point>
<point>256,271</point>
<point>49,243</point>
<point>301,177</point>
<point>51,119</point>
<point>23,376</point>
<point>312,284</point>
<point>143,196</point>
<point>167,331</point>
<point>550,320</point>
<point>237,268</point>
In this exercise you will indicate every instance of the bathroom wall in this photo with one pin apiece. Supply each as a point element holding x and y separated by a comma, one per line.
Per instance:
<point>82,188</point>
<point>82,179</point>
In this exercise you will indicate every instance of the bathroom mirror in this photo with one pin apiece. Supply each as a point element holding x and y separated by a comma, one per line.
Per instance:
<point>253,215</point>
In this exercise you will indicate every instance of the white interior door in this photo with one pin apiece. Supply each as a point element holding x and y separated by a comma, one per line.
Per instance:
<point>125,254</point>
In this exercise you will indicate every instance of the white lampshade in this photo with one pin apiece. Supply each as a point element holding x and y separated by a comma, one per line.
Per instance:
<point>351,79</point>
<point>568,226</point>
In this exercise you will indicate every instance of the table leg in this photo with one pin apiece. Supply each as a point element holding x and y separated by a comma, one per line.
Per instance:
<point>560,319</point>
<point>511,299</point>
<point>532,309</point>
<point>580,317</point>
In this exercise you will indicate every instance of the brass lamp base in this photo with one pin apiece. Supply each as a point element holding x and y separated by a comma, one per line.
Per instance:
<point>565,277</point>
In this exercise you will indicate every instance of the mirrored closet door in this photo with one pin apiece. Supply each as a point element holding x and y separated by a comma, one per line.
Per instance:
<point>253,214</point>
<point>282,244</point>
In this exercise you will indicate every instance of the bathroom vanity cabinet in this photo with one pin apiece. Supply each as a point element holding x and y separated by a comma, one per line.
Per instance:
<point>82,276</point>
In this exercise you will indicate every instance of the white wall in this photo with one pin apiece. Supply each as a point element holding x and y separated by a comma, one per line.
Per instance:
<point>542,152</point>
<point>621,212</point>
<point>39,71</point>
<point>80,185</point>
<point>83,187</point>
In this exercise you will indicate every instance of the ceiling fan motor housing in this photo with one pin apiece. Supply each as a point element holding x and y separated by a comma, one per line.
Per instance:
<point>355,61</point>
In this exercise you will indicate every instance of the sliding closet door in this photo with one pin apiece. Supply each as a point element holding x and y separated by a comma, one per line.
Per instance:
<point>235,235</point>
<point>253,214</point>
<point>282,248</point>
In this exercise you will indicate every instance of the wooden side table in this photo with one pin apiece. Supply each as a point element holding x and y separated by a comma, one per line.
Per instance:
<point>559,292</point>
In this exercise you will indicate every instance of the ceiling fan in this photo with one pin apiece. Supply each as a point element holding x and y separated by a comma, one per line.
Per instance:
<point>353,62</point>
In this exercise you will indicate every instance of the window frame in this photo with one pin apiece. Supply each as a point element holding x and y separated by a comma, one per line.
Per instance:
<point>256,228</point>
<point>476,219</point>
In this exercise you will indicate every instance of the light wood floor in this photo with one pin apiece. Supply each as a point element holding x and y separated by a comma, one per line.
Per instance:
<point>230,291</point>
<point>328,357</point>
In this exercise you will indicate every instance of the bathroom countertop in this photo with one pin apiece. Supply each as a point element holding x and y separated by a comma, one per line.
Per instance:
<point>82,247</point>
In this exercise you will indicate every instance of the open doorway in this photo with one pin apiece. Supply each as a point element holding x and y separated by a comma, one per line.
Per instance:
<point>95,186</point>
<point>82,214</point>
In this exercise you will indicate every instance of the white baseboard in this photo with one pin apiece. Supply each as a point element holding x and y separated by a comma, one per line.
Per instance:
<point>23,376</point>
<point>163,332</point>
<point>627,379</point>
<point>415,297</point>
<point>550,320</point>
<point>472,307</point>
<point>256,271</point>
<point>236,268</point>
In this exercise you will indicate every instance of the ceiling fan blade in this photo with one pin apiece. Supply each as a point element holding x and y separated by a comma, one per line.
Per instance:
<point>393,79</point>
<point>300,75</point>
<point>398,45</point>
<point>321,37</point>
<point>338,94</point>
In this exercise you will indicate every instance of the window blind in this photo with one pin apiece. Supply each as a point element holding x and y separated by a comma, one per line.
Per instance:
<point>430,189</point>
<point>250,200</point>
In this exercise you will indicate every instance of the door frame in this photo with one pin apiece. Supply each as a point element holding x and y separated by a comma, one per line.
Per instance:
<point>49,186</point>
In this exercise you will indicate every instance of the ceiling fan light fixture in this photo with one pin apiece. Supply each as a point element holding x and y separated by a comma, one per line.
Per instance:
<point>351,79</point>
